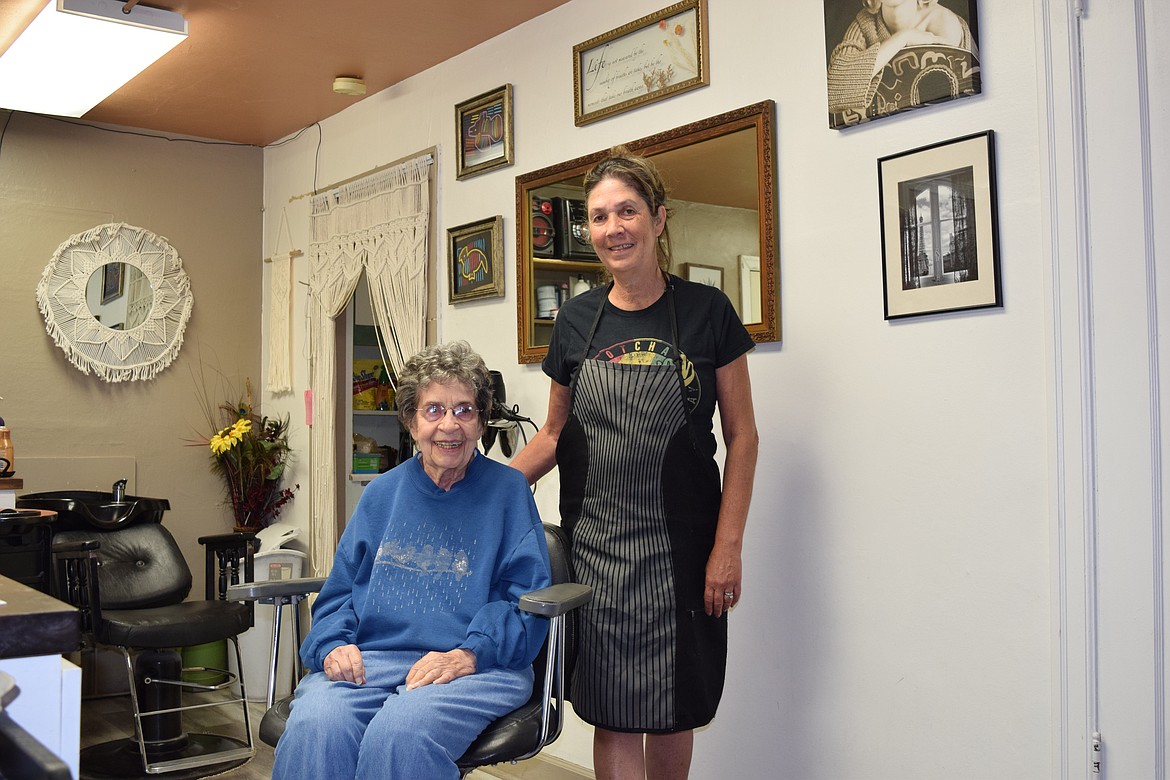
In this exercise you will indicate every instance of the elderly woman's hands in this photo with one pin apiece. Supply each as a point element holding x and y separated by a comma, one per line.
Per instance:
<point>345,663</point>
<point>438,668</point>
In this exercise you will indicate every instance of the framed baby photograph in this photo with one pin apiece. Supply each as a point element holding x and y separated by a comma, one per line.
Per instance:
<point>940,237</point>
<point>938,61</point>
<point>475,257</point>
<point>484,124</point>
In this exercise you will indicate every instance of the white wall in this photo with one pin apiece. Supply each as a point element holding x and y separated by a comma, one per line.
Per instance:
<point>896,612</point>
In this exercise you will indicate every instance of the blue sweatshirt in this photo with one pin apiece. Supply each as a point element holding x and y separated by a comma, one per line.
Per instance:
<point>419,568</point>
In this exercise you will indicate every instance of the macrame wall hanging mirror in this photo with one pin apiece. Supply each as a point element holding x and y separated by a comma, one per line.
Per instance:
<point>116,300</point>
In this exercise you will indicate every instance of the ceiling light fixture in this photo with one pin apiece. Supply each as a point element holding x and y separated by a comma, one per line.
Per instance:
<point>76,53</point>
<point>349,85</point>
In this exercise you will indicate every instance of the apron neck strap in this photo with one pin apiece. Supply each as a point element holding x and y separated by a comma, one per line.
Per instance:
<point>682,384</point>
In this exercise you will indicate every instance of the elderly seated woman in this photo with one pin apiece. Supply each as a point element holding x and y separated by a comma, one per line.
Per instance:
<point>418,642</point>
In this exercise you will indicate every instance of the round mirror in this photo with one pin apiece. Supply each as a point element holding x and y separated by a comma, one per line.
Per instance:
<point>116,300</point>
<point>119,296</point>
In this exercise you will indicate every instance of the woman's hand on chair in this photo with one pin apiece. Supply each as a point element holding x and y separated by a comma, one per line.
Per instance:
<point>438,668</point>
<point>345,663</point>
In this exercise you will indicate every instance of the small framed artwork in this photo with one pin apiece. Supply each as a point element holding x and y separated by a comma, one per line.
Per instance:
<point>710,275</point>
<point>643,61</point>
<point>112,281</point>
<point>938,59</point>
<point>940,238</point>
<point>484,124</point>
<point>475,255</point>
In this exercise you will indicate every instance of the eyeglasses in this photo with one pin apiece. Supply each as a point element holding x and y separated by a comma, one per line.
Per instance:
<point>464,412</point>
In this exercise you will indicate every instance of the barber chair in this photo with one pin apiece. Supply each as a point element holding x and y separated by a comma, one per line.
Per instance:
<point>525,731</point>
<point>130,585</point>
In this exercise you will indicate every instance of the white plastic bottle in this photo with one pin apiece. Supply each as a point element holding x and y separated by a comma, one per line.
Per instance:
<point>580,285</point>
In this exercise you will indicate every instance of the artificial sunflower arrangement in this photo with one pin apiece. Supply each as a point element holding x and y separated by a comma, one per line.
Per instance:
<point>250,453</point>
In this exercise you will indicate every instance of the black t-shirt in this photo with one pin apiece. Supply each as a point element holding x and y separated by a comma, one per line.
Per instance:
<point>709,330</point>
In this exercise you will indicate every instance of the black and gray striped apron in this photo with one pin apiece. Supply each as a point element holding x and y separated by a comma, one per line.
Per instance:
<point>640,506</point>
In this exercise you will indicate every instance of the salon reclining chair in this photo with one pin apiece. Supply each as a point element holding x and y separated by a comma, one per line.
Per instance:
<point>130,585</point>
<point>525,731</point>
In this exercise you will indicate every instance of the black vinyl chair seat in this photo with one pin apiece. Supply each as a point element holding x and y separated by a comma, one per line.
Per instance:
<point>274,720</point>
<point>175,625</point>
<point>511,736</point>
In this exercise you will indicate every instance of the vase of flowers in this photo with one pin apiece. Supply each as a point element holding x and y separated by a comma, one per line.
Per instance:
<point>250,453</point>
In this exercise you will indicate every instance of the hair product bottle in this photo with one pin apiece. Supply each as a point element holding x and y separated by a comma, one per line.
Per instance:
<point>580,285</point>
<point>6,451</point>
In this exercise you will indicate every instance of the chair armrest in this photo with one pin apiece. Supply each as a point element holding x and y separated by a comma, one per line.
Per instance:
<point>64,549</point>
<point>230,540</point>
<point>228,560</point>
<point>556,599</point>
<point>75,579</point>
<point>255,591</point>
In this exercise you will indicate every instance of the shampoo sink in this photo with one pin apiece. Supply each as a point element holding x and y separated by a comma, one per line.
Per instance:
<point>79,509</point>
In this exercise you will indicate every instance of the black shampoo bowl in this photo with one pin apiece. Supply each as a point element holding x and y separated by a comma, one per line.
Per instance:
<point>82,509</point>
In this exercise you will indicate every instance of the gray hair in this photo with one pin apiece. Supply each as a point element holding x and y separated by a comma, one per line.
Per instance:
<point>444,363</point>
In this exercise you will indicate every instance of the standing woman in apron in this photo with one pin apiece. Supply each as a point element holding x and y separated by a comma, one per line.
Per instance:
<point>638,367</point>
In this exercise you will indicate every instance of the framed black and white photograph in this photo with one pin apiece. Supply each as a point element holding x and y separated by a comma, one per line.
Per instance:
<point>475,256</point>
<point>870,77</point>
<point>484,124</point>
<point>940,238</point>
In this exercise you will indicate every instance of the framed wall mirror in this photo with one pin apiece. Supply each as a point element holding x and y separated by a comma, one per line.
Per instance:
<point>721,175</point>
<point>116,300</point>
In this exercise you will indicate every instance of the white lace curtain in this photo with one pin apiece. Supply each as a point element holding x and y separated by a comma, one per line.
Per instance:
<point>378,223</point>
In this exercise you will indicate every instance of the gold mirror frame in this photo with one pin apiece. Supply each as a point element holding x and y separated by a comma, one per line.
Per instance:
<point>690,142</point>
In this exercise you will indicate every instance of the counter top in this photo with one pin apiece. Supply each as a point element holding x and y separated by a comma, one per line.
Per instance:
<point>34,623</point>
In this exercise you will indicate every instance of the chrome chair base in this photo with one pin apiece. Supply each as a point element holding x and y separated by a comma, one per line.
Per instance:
<point>122,759</point>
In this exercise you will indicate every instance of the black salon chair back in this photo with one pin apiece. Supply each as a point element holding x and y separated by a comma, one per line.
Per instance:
<point>525,731</point>
<point>130,585</point>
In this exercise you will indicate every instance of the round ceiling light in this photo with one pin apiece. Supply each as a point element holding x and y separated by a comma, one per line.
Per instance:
<point>348,85</point>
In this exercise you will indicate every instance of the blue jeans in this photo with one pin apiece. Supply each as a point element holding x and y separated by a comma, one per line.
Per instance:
<point>381,730</point>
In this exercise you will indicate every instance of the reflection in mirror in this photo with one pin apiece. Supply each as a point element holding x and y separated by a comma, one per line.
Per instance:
<point>722,222</point>
<point>714,205</point>
<point>119,296</point>
<point>116,300</point>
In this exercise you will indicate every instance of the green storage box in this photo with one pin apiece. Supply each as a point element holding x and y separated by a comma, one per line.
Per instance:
<point>366,464</point>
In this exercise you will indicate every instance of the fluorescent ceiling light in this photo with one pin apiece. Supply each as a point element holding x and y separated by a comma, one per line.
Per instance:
<point>76,53</point>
